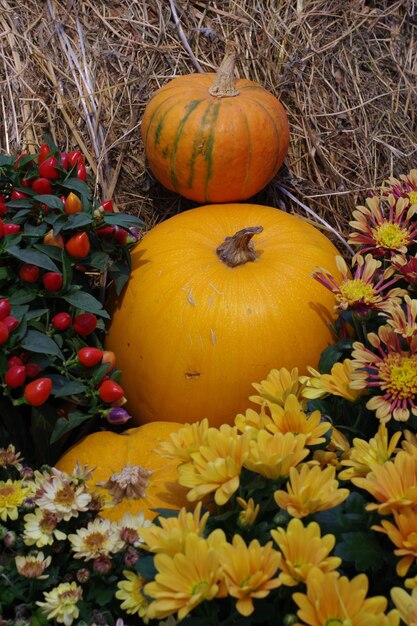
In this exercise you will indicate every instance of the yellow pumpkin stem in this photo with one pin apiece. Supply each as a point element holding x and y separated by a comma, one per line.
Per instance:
<point>224,84</point>
<point>238,249</point>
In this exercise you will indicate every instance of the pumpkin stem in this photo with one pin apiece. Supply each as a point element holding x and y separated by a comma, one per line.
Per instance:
<point>224,84</point>
<point>238,249</point>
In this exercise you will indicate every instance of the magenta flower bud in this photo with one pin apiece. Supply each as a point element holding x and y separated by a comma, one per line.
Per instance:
<point>130,558</point>
<point>102,564</point>
<point>116,416</point>
<point>9,539</point>
<point>133,235</point>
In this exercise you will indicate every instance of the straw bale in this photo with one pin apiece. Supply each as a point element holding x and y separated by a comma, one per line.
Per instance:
<point>345,70</point>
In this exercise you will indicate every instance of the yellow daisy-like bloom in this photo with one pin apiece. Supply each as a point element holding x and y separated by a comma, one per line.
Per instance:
<point>33,565</point>
<point>248,515</point>
<point>333,600</point>
<point>100,538</point>
<point>130,527</point>
<point>337,383</point>
<point>40,529</point>
<point>217,465</point>
<point>169,538</point>
<point>10,458</point>
<point>406,605</point>
<point>302,548</point>
<point>403,322</point>
<point>393,485</point>
<point>12,495</point>
<point>130,591</point>
<point>291,418</point>
<point>309,490</point>
<point>272,456</point>
<point>185,441</point>
<point>185,580</point>
<point>365,454</point>
<point>250,571</point>
<point>279,384</point>
<point>252,421</point>
<point>62,496</point>
<point>403,534</point>
<point>61,603</point>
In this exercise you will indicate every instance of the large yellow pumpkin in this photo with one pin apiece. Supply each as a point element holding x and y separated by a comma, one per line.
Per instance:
<point>192,333</point>
<point>109,453</point>
<point>213,139</point>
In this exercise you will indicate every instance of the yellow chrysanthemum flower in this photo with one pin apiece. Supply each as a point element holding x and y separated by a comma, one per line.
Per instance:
<point>337,383</point>
<point>250,512</point>
<point>302,548</point>
<point>130,591</point>
<point>406,605</point>
<point>365,454</point>
<point>403,534</point>
<point>334,600</point>
<point>184,580</point>
<point>292,418</point>
<point>185,441</point>
<point>40,529</point>
<point>12,495</point>
<point>272,456</point>
<point>217,465</point>
<point>310,489</point>
<point>250,571</point>
<point>393,484</point>
<point>100,538</point>
<point>169,538</point>
<point>61,603</point>
<point>279,384</point>
<point>252,421</point>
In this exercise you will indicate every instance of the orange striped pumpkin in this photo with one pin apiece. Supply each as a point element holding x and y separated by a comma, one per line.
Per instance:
<point>213,139</point>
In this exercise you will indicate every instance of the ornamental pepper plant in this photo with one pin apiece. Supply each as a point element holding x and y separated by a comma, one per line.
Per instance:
<point>60,248</point>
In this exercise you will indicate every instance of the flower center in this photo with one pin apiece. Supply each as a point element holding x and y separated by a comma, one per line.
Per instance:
<point>413,197</point>
<point>356,290</point>
<point>95,539</point>
<point>6,490</point>
<point>65,495</point>
<point>32,569</point>
<point>48,522</point>
<point>391,236</point>
<point>400,375</point>
<point>200,589</point>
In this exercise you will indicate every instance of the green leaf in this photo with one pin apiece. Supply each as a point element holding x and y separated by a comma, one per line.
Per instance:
<point>86,302</point>
<point>66,424</point>
<point>77,220</point>
<point>54,252</point>
<point>35,231</point>
<point>100,260</point>
<point>6,273</point>
<point>51,201</point>
<point>146,568</point>
<point>120,275</point>
<point>121,219</point>
<point>63,388</point>
<point>362,549</point>
<point>22,296</point>
<point>334,353</point>
<point>35,258</point>
<point>5,159</point>
<point>75,184</point>
<point>20,203</point>
<point>36,341</point>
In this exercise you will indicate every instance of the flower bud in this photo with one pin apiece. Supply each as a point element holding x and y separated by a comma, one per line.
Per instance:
<point>9,539</point>
<point>117,416</point>
<point>102,564</point>
<point>82,575</point>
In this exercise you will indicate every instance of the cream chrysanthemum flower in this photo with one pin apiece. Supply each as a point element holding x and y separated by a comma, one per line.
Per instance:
<point>10,458</point>
<point>310,489</point>
<point>99,538</point>
<point>61,603</point>
<point>216,466</point>
<point>12,495</point>
<point>33,565</point>
<point>40,529</point>
<point>406,605</point>
<point>337,383</point>
<point>365,454</point>
<point>62,496</point>
<point>169,538</point>
<point>130,527</point>
<point>272,456</point>
<point>184,580</point>
<point>250,571</point>
<point>130,592</point>
<point>302,548</point>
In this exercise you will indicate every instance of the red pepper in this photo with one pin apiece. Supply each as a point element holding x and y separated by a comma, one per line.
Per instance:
<point>32,369</point>
<point>64,160</point>
<point>15,376</point>
<point>89,357</point>
<point>17,195</point>
<point>75,157</point>
<point>43,153</point>
<point>72,204</point>
<point>11,322</point>
<point>11,229</point>
<point>1,229</point>
<point>78,245</point>
<point>19,158</point>
<point>42,186</point>
<point>3,208</point>
<point>14,360</point>
<point>81,172</point>
<point>50,239</point>
<point>47,168</point>
<point>38,391</point>
<point>61,321</point>
<point>110,391</point>
<point>5,308</point>
<point>105,231</point>
<point>108,205</point>
<point>52,281</point>
<point>4,333</point>
<point>120,235</point>
<point>85,323</point>
<point>29,273</point>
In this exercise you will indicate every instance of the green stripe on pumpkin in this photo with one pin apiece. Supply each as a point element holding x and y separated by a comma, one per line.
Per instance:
<point>209,148</point>
<point>189,108</point>
<point>155,113</point>
<point>199,145</point>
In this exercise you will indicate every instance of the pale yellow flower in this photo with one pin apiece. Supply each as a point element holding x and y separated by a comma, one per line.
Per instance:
<point>406,605</point>
<point>130,591</point>
<point>130,527</point>
<point>332,600</point>
<point>365,454</point>
<point>216,467</point>
<point>64,498</point>
<point>250,571</point>
<point>302,548</point>
<point>40,529</point>
<point>61,603</point>
<point>99,538</point>
<point>272,456</point>
<point>10,458</point>
<point>169,538</point>
<point>337,383</point>
<point>279,384</point>
<point>185,441</point>
<point>310,489</point>
<point>33,565</point>
<point>12,495</point>
<point>184,580</point>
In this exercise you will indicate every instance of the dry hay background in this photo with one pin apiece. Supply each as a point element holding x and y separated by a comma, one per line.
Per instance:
<point>345,70</point>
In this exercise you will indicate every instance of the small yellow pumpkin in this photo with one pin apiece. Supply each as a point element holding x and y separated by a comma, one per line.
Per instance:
<point>129,465</point>
<point>218,296</point>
